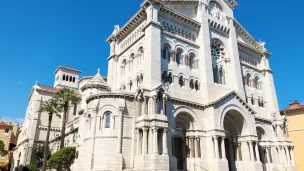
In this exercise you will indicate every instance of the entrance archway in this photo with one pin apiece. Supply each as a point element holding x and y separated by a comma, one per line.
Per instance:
<point>184,146</point>
<point>235,126</point>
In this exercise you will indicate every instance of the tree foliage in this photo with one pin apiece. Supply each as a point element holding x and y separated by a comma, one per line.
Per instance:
<point>62,159</point>
<point>2,146</point>
<point>66,97</point>
<point>39,153</point>
<point>30,167</point>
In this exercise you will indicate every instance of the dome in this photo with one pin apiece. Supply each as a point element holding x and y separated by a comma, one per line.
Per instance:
<point>97,82</point>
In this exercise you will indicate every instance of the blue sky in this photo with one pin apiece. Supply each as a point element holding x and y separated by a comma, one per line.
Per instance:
<point>37,36</point>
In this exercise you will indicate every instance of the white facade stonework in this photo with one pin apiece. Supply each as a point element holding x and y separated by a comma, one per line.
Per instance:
<point>188,88</point>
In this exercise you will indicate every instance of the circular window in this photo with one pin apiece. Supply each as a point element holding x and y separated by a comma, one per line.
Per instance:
<point>217,49</point>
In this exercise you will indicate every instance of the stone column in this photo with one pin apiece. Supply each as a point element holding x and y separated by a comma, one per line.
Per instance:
<point>155,148</point>
<point>292,156</point>
<point>237,151</point>
<point>119,150</point>
<point>144,142</point>
<point>165,146</point>
<point>268,154</point>
<point>216,147</point>
<point>278,155</point>
<point>187,147</point>
<point>195,148</point>
<point>191,147</point>
<point>223,149</point>
<point>251,151</point>
<point>199,147</point>
<point>287,155</point>
<point>257,152</point>
<point>164,104</point>
<point>150,143</point>
<point>138,141</point>
<point>172,56</point>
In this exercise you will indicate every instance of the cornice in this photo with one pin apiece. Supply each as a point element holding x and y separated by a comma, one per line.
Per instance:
<point>179,18</point>
<point>133,22</point>
<point>181,2</point>
<point>263,120</point>
<point>110,95</point>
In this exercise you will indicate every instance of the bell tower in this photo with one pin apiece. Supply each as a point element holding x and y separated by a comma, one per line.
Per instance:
<point>66,77</point>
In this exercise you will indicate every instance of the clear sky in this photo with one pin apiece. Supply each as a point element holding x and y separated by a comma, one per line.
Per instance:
<point>36,36</point>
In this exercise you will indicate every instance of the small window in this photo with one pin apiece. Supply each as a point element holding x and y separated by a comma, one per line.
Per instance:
<point>63,77</point>
<point>181,81</point>
<point>196,85</point>
<point>178,57</point>
<point>66,78</point>
<point>6,131</point>
<point>248,81</point>
<point>191,61</point>
<point>71,78</point>
<point>166,53</point>
<point>108,120</point>
<point>191,84</point>
<point>252,101</point>
<point>74,79</point>
<point>170,78</point>
<point>257,83</point>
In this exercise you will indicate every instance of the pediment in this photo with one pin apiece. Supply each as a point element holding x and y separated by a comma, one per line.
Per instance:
<point>232,95</point>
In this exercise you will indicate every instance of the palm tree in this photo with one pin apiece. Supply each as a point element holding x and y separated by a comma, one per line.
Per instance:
<point>51,107</point>
<point>65,98</point>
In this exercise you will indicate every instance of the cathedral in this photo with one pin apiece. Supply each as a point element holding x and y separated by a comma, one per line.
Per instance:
<point>188,89</point>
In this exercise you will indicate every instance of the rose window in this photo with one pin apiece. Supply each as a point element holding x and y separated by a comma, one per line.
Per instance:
<point>217,49</point>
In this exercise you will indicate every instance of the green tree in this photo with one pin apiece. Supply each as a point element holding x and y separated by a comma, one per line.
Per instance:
<point>52,108</point>
<point>39,153</point>
<point>30,167</point>
<point>2,146</point>
<point>66,97</point>
<point>62,159</point>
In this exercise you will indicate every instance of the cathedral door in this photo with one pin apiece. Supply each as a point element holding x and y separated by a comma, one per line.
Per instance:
<point>178,151</point>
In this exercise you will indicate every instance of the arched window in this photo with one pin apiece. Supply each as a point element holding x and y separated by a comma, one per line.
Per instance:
<point>130,84</point>
<point>181,81</point>
<point>196,85</point>
<point>131,61</point>
<point>257,83</point>
<point>89,122</point>
<point>252,100</point>
<point>108,120</point>
<point>178,56</point>
<point>191,60</point>
<point>123,67</point>
<point>191,84</point>
<point>165,77</point>
<point>73,79</point>
<point>66,78</point>
<point>166,53</point>
<point>141,54</point>
<point>248,81</point>
<point>218,54</point>
<point>170,78</point>
<point>63,77</point>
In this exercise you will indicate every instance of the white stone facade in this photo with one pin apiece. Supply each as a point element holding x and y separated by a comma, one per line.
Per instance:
<point>188,88</point>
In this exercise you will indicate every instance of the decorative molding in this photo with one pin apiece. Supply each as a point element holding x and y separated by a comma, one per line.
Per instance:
<point>129,26</point>
<point>179,18</point>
